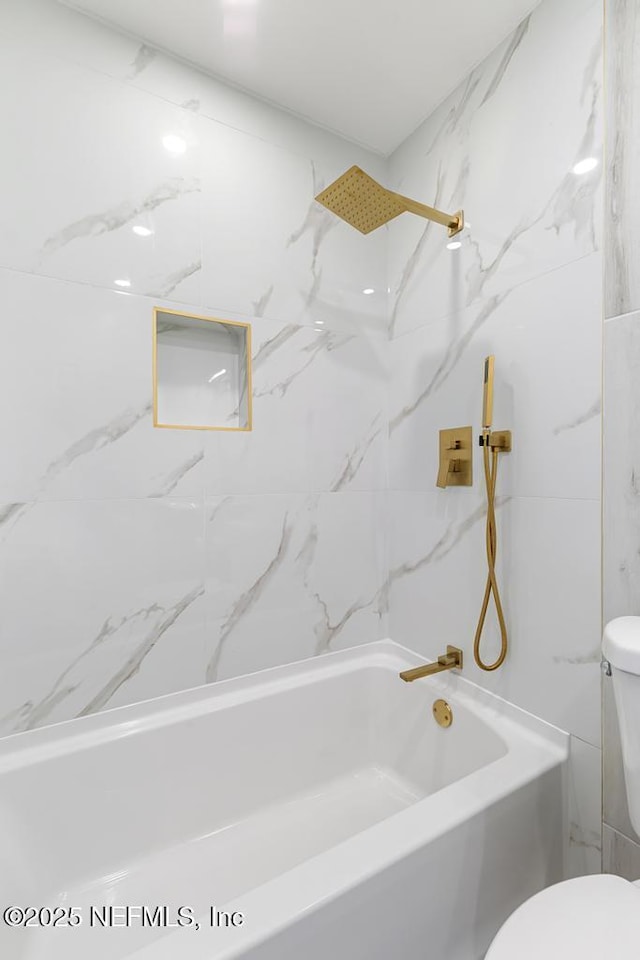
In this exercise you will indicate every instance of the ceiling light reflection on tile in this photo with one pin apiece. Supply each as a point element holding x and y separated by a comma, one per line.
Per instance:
<point>141,231</point>
<point>174,144</point>
<point>585,166</point>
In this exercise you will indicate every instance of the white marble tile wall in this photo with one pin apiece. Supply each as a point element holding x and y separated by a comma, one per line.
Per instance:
<point>621,498</point>
<point>621,856</point>
<point>526,286</point>
<point>503,147</point>
<point>276,576</point>
<point>621,493</point>
<point>136,561</point>
<point>622,261</point>
<point>44,26</point>
<point>233,219</point>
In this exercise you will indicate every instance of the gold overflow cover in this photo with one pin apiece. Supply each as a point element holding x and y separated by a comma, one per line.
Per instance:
<point>442,713</point>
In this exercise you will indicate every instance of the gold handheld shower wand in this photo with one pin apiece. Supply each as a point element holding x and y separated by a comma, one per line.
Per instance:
<point>492,444</point>
<point>487,396</point>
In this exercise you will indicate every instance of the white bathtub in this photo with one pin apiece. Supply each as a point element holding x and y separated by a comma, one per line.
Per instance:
<point>320,800</point>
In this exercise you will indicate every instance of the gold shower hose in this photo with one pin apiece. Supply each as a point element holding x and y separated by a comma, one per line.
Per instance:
<point>490,476</point>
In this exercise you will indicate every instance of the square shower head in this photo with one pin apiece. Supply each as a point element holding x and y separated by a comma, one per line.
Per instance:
<point>361,201</point>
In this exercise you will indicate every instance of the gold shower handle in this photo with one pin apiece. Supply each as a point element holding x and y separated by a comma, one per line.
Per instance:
<point>443,473</point>
<point>450,462</point>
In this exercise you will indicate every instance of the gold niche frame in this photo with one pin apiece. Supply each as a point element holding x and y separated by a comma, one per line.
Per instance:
<point>249,382</point>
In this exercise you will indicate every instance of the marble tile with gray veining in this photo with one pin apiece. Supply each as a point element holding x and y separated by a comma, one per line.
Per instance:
<point>84,429</point>
<point>292,593</point>
<point>512,234</point>
<point>593,412</point>
<point>110,613</point>
<point>615,806</point>
<point>10,515</point>
<point>436,382</point>
<point>250,598</point>
<point>106,221</point>
<point>311,349</point>
<point>621,856</point>
<point>165,286</point>
<point>317,223</point>
<point>621,560</point>
<point>451,539</point>
<point>175,477</point>
<point>106,172</point>
<point>83,688</point>
<point>621,490</point>
<point>437,560</point>
<point>143,58</point>
<point>320,400</point>
<point>585,806</point>
<point>355,458</point>
<point>95,440</point>
<point>414,260</point>
<point>299,264</point>
<point>453,354</point>
<point>622,273</point>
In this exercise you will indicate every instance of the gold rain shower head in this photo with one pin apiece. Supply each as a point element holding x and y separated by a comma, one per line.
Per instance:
<point>366,205</point>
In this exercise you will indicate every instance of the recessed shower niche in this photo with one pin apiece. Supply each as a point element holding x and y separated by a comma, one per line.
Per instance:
<point>201,372</point>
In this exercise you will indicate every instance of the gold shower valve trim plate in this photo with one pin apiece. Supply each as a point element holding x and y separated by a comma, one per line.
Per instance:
<point>366,205</point>
<point>455,461</point>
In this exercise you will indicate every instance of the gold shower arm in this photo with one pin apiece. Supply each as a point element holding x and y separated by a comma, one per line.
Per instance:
<point>454,222</point>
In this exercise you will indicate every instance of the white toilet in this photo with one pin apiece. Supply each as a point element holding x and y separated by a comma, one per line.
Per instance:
<point>591,918</point>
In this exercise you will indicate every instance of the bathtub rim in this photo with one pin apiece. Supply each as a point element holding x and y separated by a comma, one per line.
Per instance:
<point>79,733</point>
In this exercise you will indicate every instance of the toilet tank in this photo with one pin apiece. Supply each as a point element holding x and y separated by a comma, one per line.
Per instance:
<point>621,647</point>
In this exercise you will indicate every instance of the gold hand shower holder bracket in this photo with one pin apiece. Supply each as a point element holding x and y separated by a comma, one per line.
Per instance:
<point>498,440</point>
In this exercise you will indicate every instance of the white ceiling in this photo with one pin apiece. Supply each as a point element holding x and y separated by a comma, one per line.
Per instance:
<point>370,70</point>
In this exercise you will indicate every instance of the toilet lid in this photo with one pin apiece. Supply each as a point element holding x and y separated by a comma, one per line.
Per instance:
<point>589,918</point>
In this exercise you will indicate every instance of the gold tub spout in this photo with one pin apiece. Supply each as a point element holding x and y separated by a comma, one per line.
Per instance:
<point>447,661</point>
